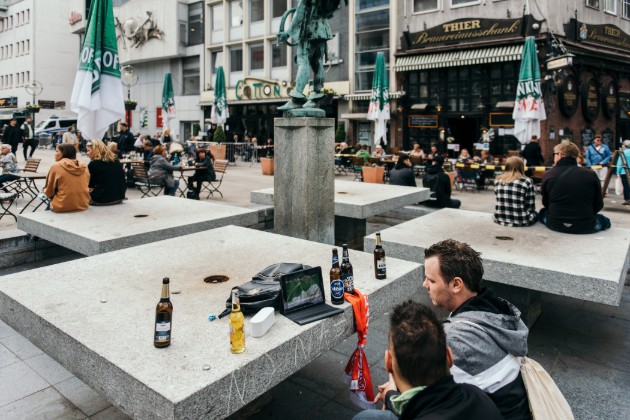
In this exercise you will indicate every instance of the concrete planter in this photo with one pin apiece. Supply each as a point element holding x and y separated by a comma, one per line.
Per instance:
<point>267,166</point>
<point>373,174</point>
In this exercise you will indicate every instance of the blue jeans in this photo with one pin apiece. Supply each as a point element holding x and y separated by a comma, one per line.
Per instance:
<point>601,222</point>
<point>172,190</point>
<point>626,187</point>
<point>375,415</point>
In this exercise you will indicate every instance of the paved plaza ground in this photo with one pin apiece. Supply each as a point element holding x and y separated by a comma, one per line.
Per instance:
<point>584,346</point>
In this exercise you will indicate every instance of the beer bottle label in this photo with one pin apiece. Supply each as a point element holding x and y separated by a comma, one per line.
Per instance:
<point>380,266</point>
<point>348,282</point>
<point>162,331</point>
<point>335,259</point>
<point>336,289</point>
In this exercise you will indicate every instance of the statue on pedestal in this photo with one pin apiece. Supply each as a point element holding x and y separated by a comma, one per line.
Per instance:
<point>310,32</point>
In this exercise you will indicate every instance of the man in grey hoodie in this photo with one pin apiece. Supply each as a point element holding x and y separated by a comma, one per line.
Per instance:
<point>485,332</point>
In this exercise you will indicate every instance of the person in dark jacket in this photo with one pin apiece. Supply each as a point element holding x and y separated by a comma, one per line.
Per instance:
<point>532,153</point>
<point>107,178</point>
<point>402,174</point>
<point>204,171</point>
<point>12,135</point>
<point>440,185</point>
<point>420,385</point>
<point>161,169</point>
<point>571,196</point>
<point>125,139</point>
<point>486,333</point>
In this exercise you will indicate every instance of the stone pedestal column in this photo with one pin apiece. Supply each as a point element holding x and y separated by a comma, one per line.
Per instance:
<point>304,180</point>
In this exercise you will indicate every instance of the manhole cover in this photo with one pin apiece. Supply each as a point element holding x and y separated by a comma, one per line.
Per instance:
<point>216,279</point>
<point>504,238</point>
<point>141,215</point>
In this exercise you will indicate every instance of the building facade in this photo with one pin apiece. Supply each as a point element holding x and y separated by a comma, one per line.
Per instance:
<point>458,63</point>
<point>38,50</point>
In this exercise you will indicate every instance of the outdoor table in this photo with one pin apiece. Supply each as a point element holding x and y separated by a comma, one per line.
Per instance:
<point>26,188</point>
<point>183,178</point>
<point>96,316</point>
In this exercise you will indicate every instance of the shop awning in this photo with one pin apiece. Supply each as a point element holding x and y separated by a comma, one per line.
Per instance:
<point>459,58</point>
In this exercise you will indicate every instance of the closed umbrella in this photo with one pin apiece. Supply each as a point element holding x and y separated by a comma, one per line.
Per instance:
<point>378,110</point>
<point>168,98</point>
<point>97,95</point>
<point>529,109</point>
<point>219,113</point>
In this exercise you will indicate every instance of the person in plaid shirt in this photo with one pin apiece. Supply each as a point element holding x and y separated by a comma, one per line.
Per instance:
<point>515,196</point>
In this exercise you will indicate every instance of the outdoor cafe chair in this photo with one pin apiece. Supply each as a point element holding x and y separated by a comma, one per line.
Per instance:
<point>147,186</point>
<point>220,166</point>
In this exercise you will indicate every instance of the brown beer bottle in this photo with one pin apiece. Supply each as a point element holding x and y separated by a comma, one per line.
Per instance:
<point>380,270</point>
<point>336,285</point>
<point>237,325</point>
<point>163,317</point>
<point>347,275</point>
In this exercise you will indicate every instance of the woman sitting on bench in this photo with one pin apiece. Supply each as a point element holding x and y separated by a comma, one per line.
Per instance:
<point>107,176</point>
<point>515,196</point>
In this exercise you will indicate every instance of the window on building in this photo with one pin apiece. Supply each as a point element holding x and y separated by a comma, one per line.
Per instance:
<point>257,56</point>
<point>593,3</point>
<point>372,36</point>
<point>625,9</point>
<point>279,55</point>
<point>28,15</point>
<point>217,17</point>
<point>256,10</point>
<point>463,2</point>
<point>610,6</point>
<point>278,7</point>
<point>236,59</point>
<point>424,5</point>
<point>28,45</point>
<point>216,60</point>
<point>191,72</point>
<point>368,4</point>
<point>28,76</point>
<point>236,13</point>
<point>195,23</point>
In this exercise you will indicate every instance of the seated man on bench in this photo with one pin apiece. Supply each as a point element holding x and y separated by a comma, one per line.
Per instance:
<point>485,332</point>
<point>571,196</point>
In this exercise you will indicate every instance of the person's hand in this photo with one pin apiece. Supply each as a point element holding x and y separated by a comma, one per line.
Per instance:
<point>384,389</point>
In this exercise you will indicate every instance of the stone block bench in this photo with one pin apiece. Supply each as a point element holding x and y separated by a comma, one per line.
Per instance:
<point>355,202</point>
<point>134,222</point>
<point>96,316</point>
<point>522,262</point>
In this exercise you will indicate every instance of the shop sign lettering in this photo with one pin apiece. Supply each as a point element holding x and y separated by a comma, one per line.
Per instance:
<point>253,88</point>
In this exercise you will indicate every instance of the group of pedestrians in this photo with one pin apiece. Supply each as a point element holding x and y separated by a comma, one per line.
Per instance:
<point>13,135</point>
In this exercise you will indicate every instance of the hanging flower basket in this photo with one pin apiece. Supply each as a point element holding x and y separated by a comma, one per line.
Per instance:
<point>130,104</point>
<point>33,109</point>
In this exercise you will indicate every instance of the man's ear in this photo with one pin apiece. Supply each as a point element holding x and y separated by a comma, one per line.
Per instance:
<point>457,285</point>
<point>388,361</point>
<point>449,357</point>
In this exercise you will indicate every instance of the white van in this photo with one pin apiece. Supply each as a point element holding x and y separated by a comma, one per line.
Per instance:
<point>54,125</point>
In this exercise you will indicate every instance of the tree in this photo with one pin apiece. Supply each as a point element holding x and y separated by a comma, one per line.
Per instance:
<point>219,135</point>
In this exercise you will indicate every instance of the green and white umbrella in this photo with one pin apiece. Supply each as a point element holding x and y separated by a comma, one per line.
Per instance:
<point>378,110</point>
<point>168,99</point>
<point>219,113</point>
<point>97,95</point>
<point>529,109</point>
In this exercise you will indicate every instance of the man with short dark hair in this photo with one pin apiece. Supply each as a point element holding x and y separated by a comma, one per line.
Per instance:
<point>571,196</point>
<point>125,139</point>
<point>440,185</point>
<point>485,332</point>
<point>418,362</point>
<point>532,153</point>
<point>29,138</point>
<point>12,135</point>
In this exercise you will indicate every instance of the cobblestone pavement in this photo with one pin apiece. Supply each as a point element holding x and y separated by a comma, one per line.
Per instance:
<point>584,346</point>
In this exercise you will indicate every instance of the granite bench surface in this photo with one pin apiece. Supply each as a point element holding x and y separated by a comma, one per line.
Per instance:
<point>359,200</point>
<point>96,315</point>
<point>134,222</point>
<point>588,267</point>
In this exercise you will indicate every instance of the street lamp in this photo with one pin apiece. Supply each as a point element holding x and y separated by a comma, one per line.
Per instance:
<point>128,78</point>
<point>34,89</point>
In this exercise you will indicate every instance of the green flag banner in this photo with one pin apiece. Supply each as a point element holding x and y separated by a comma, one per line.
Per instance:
<point>168,98</point>
<point>97,95</point>
<point>378,110</point>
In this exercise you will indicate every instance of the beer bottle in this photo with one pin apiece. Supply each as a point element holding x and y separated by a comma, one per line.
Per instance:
<point>163,318</point>
<point>346,271</point>
<point>380,271</point>
<point>336,285</point>
<point>237,325</point>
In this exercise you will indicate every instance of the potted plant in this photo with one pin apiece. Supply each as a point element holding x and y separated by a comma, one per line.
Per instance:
<point>374,174</point>
<point>218,150</point>
<point>130,104</point>
<point>266,163</point>
<point>32,108</point>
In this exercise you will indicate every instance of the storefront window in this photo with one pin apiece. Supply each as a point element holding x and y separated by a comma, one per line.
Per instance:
<point>503,82</point>
<point>373,20</point>
<point>257,10</point>
<point>217,17</point>
<point>424,5</point>
<point>368,4</point>
<point>191,75</point>
<point>236,59</point>
<point>257,56</point>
